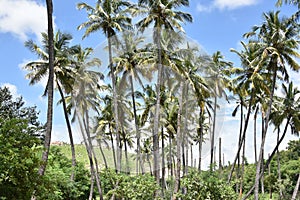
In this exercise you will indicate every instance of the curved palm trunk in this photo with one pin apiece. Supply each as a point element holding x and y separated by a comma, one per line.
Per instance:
<point>115,104</point>
<point>49,89</point>
<point>69,129</point>
<point>243,136</point>
<point>260,159</point>
<point>178,142</point>
<point>240,138</point>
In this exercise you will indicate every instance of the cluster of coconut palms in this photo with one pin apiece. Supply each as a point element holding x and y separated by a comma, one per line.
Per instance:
<point>160,95</point>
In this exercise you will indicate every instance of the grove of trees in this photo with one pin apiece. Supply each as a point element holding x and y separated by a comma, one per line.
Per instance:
<point>157,103</point>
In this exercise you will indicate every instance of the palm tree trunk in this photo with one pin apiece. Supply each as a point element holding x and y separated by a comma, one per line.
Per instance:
<point>157,110</point>
<point>102,154</point>
<point>296,188</point>
<point>213,135</point>
<point>90,156</point>
<point>126,155</point>
<point>270,157</point>
<point>178,141</point>
<point>240,139</point>
<point>113,147</point>
<point>96,173</point>
<point>278,165</point>
<point>137,131</point>
<point>170,155</point>
<point>260,159</point>
<point>115,104</point>
<point>163,168</point>
<point>243,136</point>
<point>200,139</point>
<point>254,134</point>
<point>69,129</point>
<point>49,89</point>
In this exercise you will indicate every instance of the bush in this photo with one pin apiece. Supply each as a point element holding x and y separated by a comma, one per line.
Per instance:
<point>205,186</point>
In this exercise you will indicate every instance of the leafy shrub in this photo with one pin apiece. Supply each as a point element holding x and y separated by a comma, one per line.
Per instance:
<point>205,186</point>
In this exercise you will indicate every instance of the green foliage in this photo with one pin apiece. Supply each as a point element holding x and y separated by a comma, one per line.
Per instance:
<point>206,186</point>
<point>124,186</point>
<point>19,160</point>
<point>57,179</point>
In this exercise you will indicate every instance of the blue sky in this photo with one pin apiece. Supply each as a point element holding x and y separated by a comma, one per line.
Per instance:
<point>218,25</point>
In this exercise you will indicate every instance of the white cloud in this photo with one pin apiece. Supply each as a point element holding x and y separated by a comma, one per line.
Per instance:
<point>225,4</point>
<point>233,4</point>
<point>12,88</point>
<point>22,18</point>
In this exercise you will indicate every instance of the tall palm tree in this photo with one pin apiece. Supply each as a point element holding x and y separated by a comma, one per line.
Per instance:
<point>251,80</point>
<point>277,38</point>
<point>63,72</point>
<point>162,15</point>
<point>84,98</point>
<point>50,89</point>
<point>109,16</point>
<point>218,79</point>
<point>128,57</point>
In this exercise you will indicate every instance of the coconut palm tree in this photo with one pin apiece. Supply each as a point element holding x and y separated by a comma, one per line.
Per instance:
<point>218,78</point>
<point>85,97</point>
<point>63,72</point>
<point>162,15</point>
<point>110,17</point>
<point>127,59</point>
<point>277,38</point>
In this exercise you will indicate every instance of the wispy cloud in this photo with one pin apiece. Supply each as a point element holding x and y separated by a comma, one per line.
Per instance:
<point>225,4</point>
<point>22,18</point>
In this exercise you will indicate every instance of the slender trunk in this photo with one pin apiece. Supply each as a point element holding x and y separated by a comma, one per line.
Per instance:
<point>278,166</point>
<point>220,153</point>
<point>115,104</point>
<point>92,186</point>
<point>213,135</point>
<point>269,173</point>
<point>137,131</point>
<point>243,168</point>
<point>240,139</point>
<point>89,153</point>
<point>186,95</point>
<point>243,136</point>
<point>102,154</point>
<point>271,156</point>
<point>163,167</point>
<point>296,188</point>
<point>113,147</point>
<point>170,155</point>
<point>201,138</point>
<point>126,156</point>
<point>178,142</point>
<point>49,89</point>
<point>86,126</point>
<point>69,129</point>
<point>155,134</point>
<point>260,159</point>
<point>254,133</point>
<point>192,156</point>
